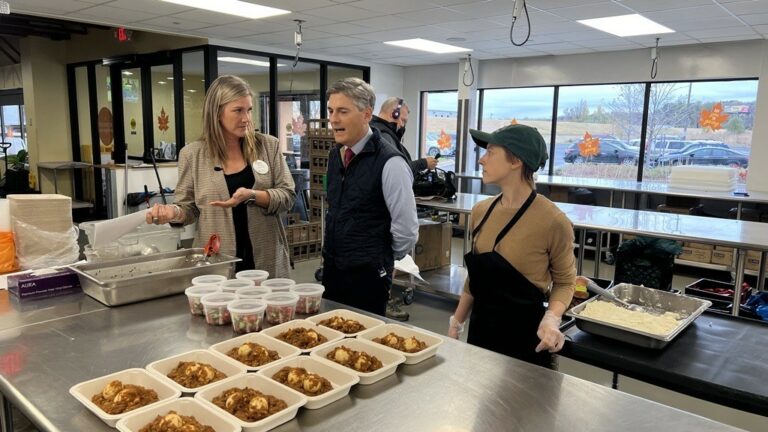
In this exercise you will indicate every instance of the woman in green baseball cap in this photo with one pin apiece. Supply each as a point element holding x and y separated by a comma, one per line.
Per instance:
<point>522,254</point>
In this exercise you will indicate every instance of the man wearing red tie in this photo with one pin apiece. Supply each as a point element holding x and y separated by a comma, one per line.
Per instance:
<point>371,218</point>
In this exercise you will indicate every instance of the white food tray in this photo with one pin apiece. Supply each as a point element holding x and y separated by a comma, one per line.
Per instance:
<point>340,378</point>
<point>331,334</point>
<point>283,349</point>
<point>388,358</point>
<point>432,341</point>
<point>365,320</point>
<point>229,367</point>
<point>184,406</point>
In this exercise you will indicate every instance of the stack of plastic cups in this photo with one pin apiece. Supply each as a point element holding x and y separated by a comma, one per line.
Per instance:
<point>232,285</point>
<point>281,307</point>
<point>279,284</point>
<point>252,293</point>
<point>247,315</point>
<point>215,307</point>
<point>195,293</point>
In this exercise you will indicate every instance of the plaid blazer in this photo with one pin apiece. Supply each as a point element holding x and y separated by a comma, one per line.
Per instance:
<point>200,184</point>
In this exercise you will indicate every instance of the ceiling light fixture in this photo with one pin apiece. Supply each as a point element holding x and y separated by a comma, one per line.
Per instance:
<point>233,7</point>
<point>162,82</point>
<point>428,46</point>
<point>247,61</point>
<point>627,25</point>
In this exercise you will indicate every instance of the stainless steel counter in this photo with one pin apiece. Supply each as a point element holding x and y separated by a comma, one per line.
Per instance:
<point>463,388</point>
<point>741,235</point>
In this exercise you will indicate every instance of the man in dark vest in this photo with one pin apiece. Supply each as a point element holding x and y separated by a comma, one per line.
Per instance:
<point>371,218</point>
<point>391,121</point>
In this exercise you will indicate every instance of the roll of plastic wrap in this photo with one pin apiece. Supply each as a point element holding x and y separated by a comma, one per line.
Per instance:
<point>5,215</point>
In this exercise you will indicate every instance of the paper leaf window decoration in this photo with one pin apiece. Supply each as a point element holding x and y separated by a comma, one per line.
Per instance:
<point>162,120</point>
<point>714,119</point>
<point>444,142</point>
<point>589,146</point>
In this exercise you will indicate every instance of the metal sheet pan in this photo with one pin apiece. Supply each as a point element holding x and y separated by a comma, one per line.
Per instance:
<point>688,307</point>
<point>135,279</point>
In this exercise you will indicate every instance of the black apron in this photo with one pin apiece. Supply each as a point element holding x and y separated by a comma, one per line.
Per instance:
<point>507,308</point>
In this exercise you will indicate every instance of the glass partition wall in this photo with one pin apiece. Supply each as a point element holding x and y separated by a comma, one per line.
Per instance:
<point>156,106</point>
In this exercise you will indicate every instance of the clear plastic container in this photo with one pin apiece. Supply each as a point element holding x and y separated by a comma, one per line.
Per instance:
<point>195,293</point>
<point>215,307</point>
<point>281,306</point>
<point>208,280</point>
<point>310,297</point>
<point>279,284</point>
<point>256,292</point>
<point>129,246</point>
<point>257,276</point>
<point>232,285</point>
<point>108,252</point>
<point>247,315</point>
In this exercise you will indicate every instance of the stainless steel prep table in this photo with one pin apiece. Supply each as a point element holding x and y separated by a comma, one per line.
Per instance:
<point>719,358</point>
<point>738,234</point>
<point>462,388</point>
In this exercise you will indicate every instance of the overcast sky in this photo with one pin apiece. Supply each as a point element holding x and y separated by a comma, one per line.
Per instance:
<point>537,102</point>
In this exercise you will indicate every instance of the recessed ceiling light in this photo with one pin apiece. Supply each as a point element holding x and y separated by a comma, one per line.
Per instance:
<point>169,78</point>
<point>162,82</point>
<point>127,73</point>
<point>427,45</point>
<point>192,90</point>
<point>247,61</point>
<point>233,7</point>
<point>627,25</point>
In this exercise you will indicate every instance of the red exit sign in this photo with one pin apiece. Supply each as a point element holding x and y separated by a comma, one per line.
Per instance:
<point>122,34</point>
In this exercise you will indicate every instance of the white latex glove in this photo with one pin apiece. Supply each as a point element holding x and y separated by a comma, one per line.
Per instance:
<point>453,332</point>
<point>549,333</point>
<point>455,328</point>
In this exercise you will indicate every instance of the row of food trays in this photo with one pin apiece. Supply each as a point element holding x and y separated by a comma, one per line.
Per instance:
<point>256,381</point>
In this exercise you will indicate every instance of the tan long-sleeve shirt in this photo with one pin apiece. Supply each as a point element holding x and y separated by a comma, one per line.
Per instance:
<point>540,245</point>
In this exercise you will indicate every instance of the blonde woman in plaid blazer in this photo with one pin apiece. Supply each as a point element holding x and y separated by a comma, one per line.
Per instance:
<point>234,182</point>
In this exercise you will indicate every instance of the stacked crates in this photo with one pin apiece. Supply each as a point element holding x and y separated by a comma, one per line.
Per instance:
<point>305,238</point>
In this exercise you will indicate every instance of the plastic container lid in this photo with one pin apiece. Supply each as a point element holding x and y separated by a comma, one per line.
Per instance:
<point>279,284</point>
<point>218,299</point>
<point>208,280</point>
<point>308,289</point>
<point>201,290</point>
<point>281,298</point>
<point>255,292</point>
<point>232,285</point>
<point>247,306</point>
<point>254,275</point>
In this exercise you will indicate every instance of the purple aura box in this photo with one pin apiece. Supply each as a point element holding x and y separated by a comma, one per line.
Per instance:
<point>38,284</point>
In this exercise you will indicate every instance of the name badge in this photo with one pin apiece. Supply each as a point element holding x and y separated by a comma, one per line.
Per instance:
<point>260,167</point>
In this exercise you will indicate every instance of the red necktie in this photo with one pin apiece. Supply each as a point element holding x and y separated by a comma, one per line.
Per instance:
<point>348,155</point>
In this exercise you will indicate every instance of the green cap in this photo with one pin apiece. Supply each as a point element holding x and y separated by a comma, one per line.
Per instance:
<point>523,141</point>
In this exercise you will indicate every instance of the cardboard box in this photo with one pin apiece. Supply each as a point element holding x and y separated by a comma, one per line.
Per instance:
<point>44,283</point>
<point>696,255</point>
<point>753,261</point>
<point>725,248</point>
<point>698,245</point>
<point>722,257</point>
<point>433,250</point>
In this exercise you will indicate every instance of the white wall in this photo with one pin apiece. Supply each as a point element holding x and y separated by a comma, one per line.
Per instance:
<point>388,81</point>
<point>743,59</point>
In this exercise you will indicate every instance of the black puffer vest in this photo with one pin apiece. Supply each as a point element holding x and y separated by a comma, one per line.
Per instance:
<point>357,224</point>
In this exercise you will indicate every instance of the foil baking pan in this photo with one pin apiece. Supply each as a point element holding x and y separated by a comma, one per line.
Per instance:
<point>134,279</point>
<point>689,308</point>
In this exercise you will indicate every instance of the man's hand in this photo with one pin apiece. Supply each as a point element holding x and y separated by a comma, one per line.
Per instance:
<point>549,333</point>
<point>431,162</point>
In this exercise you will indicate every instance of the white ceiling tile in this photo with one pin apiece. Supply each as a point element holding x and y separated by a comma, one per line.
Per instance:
<point>219,19</point>
<point>762,29</point>
<point>393,6</point>
<point>155,6</point>
<point>660,5</point>
<point>345,28</point>
<point>261,26</point>
<point>554,4</point>
<point>755,19</point>
<point>482,9</point>
<point>431,16</point>
<point>336,41</point>
<point>114,15</point>
<point>295,5</point>
<point>171,23</point>
<point>598,10</point>
<point>61,6</point>
<point>747,7</point>
<point>721,32</point>
<point>695,24</point>
<point>382,36</point>
<point>469,25</point>
<point>490,45</point>
<point>225,32</point>
<point>288,20</point>
<point>343,13</point>
<point>388,22</point>
<point>571,51</point>
<point>451,2</point>
<point>673,16</point>
<point>729,38</point>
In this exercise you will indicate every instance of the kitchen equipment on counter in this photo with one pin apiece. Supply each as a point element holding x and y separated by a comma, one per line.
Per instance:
<point>129,280</point>
<point>597,289</point>
<point>211,248</point>
<point>687,307</point>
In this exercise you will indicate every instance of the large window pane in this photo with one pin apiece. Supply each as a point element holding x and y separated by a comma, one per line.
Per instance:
<point>84,131</point>
<point>132,114</point>
<point>163,112</point>
<point>336,73</point>
<point>699,123</point>
<point>530,106</point>
<point>438,127</point>
<point>193,87</point>
<point>598,131</point>
<point>105,120</point>
<point>254,70</point>
<point>298,100</point>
